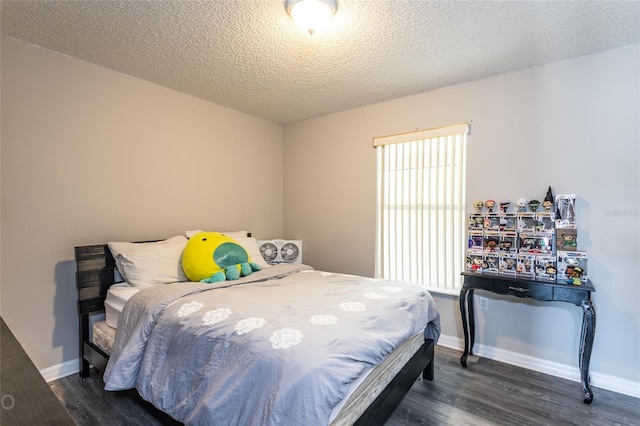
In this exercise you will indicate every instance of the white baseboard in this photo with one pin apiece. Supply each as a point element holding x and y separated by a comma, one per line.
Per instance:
<point>569,372</point>
<point>61,370</point>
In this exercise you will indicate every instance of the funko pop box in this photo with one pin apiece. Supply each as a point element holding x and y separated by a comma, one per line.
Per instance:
<point>491,242</point>
<point>569,261</point>
<point>525,266</point>
<point>545,222</point>
<point>526,222</point>
<point>566,211</point>
<point>567,239</point>
<point>508,242</point>
<point>476,240</point>
<point>508,222</point>
<point>535,242</point>
<point>476,221</point>
<point>507,264</point>
<point>491,263</point>
<point>475,261</point>
<point>546,269</point>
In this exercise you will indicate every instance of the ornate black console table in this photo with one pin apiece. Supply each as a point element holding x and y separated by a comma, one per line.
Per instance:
<point>538,290</point>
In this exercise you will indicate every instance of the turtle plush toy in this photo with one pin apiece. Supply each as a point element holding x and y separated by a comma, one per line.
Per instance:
<point>212,257</point>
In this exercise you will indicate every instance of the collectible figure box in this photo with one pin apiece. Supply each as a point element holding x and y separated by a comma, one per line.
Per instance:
<point>545,268</point>
<point>566,239</point>
<point>476,221</point>
<point>544,242</point>
<point>535,242</point>
<point>491,263</point>
<point>492,222</point>
<point>507,264</point>
<point>508,222</point>
<point>491,242</point>
<point>526,222</point>
<point>572,267</point>
<point>545,222</point>
<point>525,266</point>
<point>508,242</point>
<point>476,240</point>
<point>526,242</point>
<point>475,261</point>
<point>566,211</point>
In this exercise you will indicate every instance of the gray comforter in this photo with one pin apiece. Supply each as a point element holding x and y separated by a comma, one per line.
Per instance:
<point>279,347</point>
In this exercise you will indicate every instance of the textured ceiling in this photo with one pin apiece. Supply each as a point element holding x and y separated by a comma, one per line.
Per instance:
<point>249,55</point>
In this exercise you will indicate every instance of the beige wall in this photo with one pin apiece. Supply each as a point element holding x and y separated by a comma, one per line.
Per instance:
<point>574,125</point>
<point>90,155</point>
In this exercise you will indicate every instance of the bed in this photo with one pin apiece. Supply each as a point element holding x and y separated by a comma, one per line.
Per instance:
<point>233,353</point>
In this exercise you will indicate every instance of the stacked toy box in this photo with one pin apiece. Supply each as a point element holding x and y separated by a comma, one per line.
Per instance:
<point>526,243</point>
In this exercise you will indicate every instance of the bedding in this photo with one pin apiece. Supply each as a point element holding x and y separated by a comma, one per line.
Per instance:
<point>209,353</point>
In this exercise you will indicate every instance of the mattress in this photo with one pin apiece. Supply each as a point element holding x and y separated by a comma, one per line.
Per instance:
<point>103,335</point>
<point>367,388</point>
<point>117,296</point>
<point>361,393</point>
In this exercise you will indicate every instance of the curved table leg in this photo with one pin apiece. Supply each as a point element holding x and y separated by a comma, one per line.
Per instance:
<point>464,294</point>
<point>586,344</point>
<point>472,320</point>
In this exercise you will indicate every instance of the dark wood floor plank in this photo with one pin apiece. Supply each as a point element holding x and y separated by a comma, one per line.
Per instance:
<point>485,394</point>
<point>89,404</point>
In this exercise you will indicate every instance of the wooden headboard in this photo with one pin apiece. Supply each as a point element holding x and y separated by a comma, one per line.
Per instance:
<point>95,273</point>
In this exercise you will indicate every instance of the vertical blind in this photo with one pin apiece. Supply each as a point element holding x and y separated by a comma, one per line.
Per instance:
<point>421,217</point>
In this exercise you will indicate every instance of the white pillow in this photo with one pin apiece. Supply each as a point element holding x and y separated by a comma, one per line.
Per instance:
<point>250,244</point>
<point>147,264</point>
<point>231,234</point>
<point>116,249</point>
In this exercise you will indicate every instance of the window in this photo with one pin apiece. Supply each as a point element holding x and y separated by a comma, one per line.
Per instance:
<point>421,218</point>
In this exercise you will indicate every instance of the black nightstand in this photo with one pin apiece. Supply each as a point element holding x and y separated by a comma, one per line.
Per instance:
<point>579,295</point>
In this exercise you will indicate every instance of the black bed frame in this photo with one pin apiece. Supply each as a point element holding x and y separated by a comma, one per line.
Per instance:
<point>96,273</point>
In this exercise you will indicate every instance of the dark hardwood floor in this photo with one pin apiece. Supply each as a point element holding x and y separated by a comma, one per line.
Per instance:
<point>486,393</point>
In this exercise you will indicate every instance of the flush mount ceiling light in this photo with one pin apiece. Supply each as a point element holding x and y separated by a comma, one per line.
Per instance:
<point>311,16</point>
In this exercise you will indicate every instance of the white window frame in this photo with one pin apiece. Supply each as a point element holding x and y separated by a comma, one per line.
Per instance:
<point>421,208</point>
